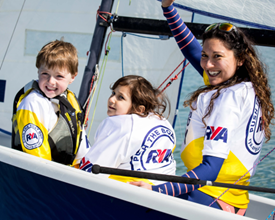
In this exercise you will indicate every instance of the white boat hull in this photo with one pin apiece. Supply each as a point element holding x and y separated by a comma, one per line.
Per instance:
<point>34,188</point>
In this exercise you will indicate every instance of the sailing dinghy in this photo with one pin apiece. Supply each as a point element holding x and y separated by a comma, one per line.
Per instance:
<point>34,188</point>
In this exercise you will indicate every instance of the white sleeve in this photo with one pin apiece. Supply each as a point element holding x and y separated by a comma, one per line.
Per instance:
<point>112,141</point>
<point>222,124</point>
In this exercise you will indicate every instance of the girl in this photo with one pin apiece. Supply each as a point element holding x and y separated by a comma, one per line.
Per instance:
<point>135,136</point>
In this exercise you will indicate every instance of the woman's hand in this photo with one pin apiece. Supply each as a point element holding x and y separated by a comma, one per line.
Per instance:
<point>166,3</point>
<point>142,184</point>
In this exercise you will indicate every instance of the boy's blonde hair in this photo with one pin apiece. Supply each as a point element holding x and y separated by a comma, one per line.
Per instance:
<point>58,54</point>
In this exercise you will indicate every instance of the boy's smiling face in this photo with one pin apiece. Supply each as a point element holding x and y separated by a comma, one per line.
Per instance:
<point>54,82</point>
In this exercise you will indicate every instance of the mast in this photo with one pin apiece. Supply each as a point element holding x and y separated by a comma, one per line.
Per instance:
<point>94,52</point>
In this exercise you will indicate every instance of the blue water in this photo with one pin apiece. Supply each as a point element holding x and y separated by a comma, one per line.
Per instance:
<point>265,173</point>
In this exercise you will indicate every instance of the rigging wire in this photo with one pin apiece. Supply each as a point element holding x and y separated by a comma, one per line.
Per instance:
<point>91,95</point>
<point>171,73</point>
<point>137,35</point>
<point>96,75</point>
<point>117,6</point>
<point>174,78</point>
<point>12,34</point>
<point>91,88</point>
<point>103,12</point>
<point>102,68</point>
<point>179,91</point>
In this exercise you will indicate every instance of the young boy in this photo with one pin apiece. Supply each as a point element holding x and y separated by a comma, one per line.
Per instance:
<point>47,118</point>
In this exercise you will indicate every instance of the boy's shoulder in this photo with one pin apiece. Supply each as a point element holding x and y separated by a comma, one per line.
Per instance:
<point>35,96</point>
<point>30,92</point>
<point>34,101</point>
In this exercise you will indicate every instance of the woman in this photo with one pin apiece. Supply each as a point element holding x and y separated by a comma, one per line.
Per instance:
<point>229,117</point>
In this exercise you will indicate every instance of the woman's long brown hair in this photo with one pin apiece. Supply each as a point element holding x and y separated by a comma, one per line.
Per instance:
<point>252,70</point>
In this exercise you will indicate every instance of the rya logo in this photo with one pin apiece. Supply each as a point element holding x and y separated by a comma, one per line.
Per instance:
<point>32,136</point>
<point>254,130</point>
<point>159,156</point>
<point>217,134</point>
<point>156,149</point>
<point>86,165</point>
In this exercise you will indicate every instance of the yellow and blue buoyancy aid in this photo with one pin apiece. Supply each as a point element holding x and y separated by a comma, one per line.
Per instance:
<point>64,139</point>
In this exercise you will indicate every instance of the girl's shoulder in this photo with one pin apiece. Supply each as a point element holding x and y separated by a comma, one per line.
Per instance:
<point>117,122</point>
<point>118,119</point>
<point>118,125</point>
<point>150,117</point>
<point>151,120</point>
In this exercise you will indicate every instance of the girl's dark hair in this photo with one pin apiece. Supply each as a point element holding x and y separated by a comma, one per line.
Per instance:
<point>143,93</point>
<point>252,70</point>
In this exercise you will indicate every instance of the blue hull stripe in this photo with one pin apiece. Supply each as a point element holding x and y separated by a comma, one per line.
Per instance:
<point>26,195</point>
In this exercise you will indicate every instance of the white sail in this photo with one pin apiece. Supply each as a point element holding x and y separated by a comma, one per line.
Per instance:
<point>249,12</point>
<point>44,21</point>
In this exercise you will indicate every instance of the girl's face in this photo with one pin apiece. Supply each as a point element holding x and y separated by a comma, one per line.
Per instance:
<point>120,102</point>
<point>218,62</point>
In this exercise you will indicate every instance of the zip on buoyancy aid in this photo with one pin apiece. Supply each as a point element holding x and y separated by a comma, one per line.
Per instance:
<point>64,139</point>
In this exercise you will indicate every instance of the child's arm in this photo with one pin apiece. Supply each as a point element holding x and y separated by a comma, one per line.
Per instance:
<point>32,120</point>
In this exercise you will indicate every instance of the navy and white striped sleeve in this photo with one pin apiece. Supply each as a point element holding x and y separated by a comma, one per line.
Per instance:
<point>185,39</point>
<point>207,170</point>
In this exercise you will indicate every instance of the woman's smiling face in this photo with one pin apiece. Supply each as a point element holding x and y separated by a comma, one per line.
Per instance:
<point>218,62</point>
